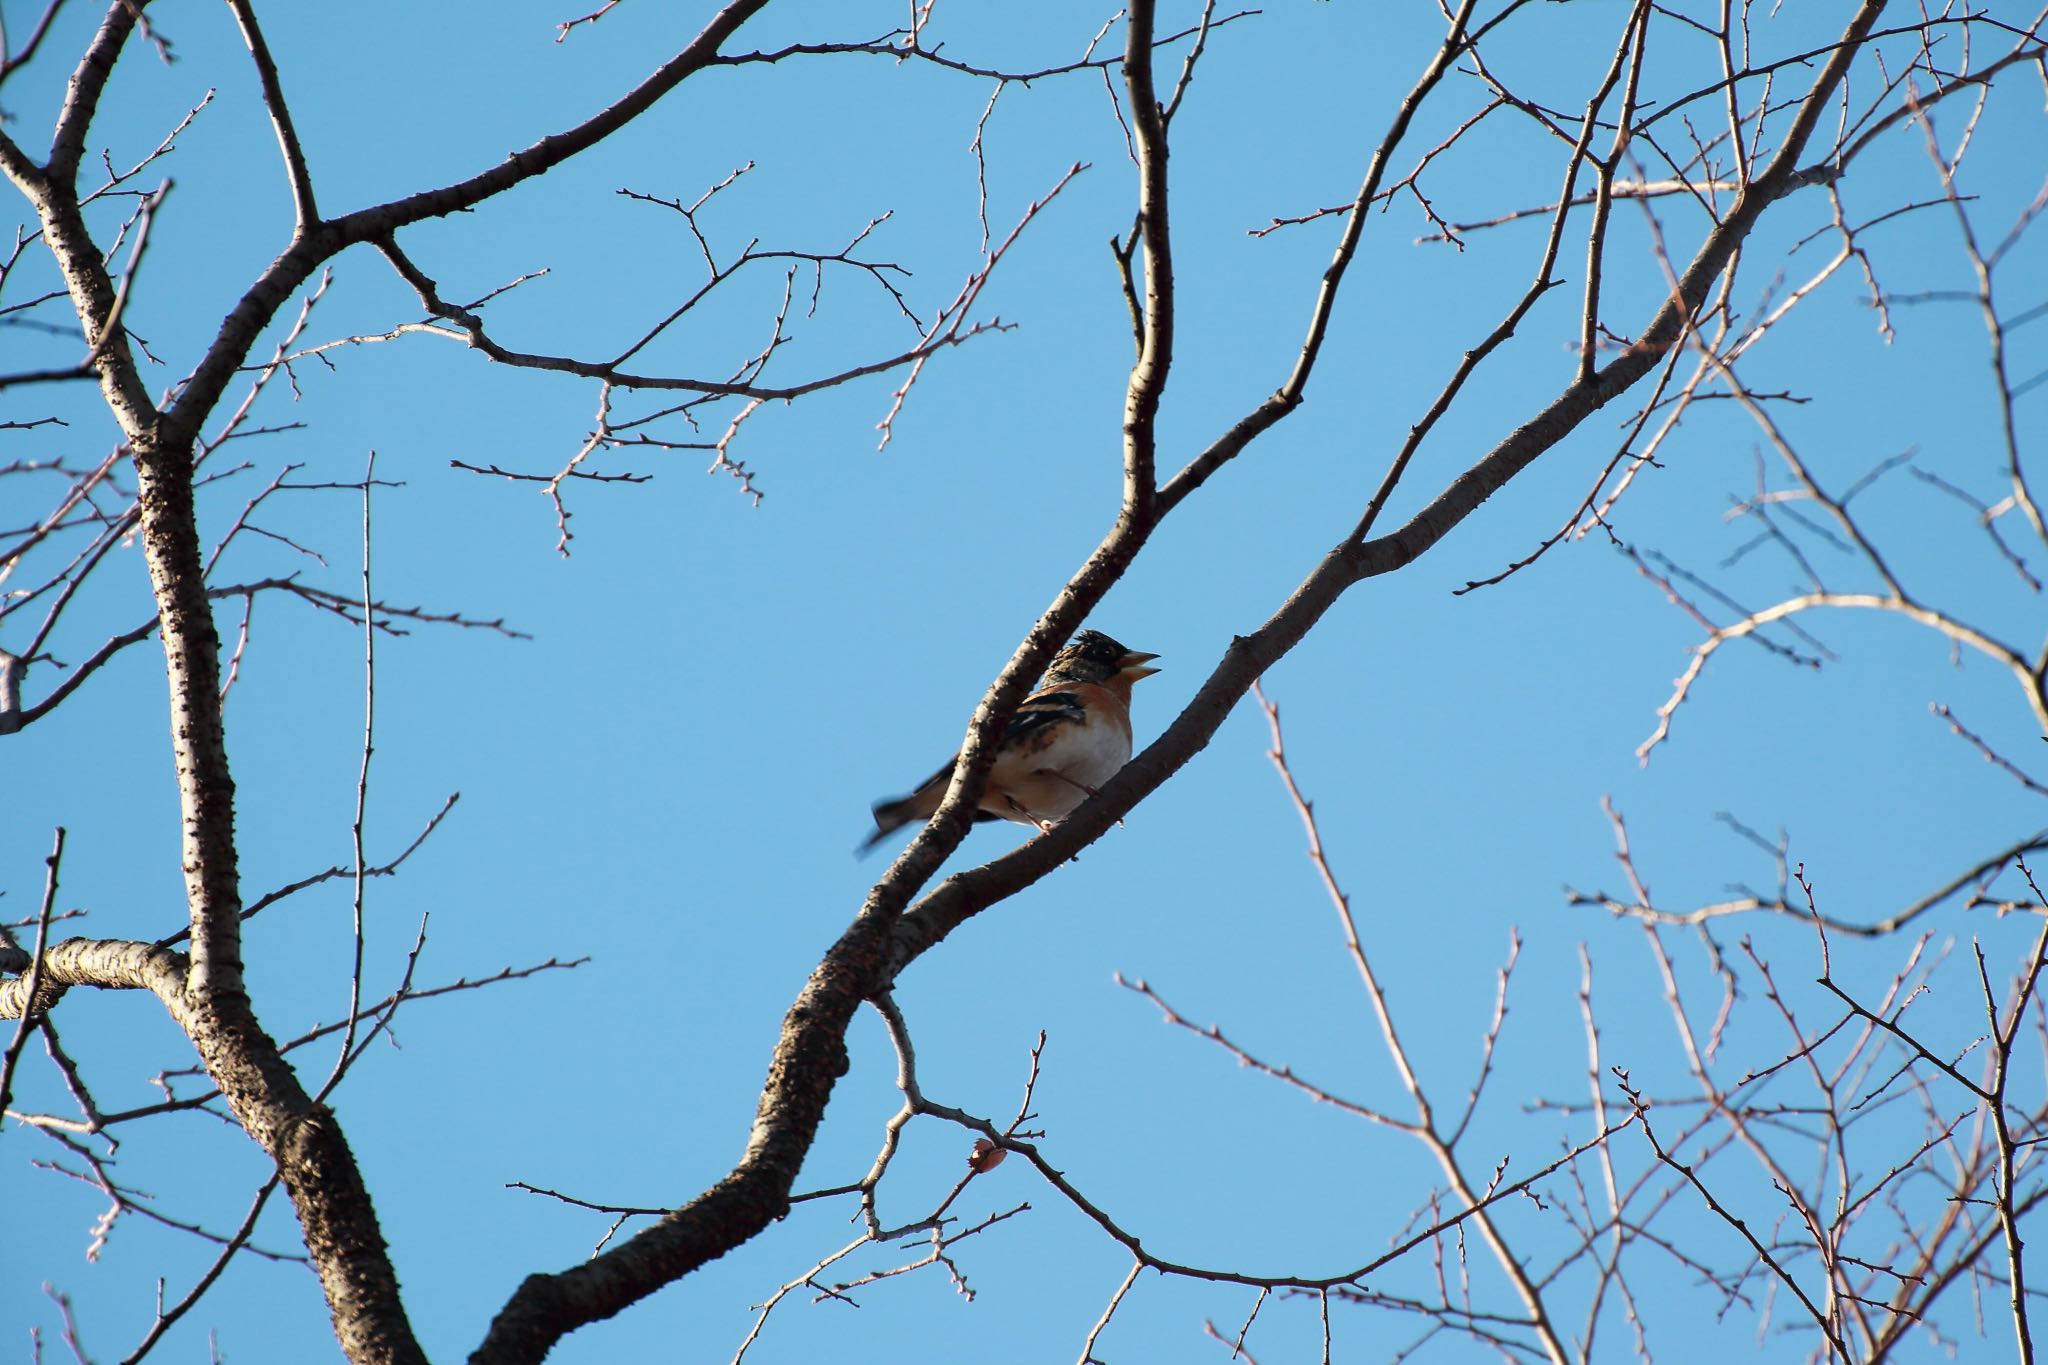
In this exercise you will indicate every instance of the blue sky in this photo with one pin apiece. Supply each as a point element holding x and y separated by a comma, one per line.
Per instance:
<point>668,777</point>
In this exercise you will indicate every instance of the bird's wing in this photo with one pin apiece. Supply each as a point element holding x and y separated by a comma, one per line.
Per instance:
<point>1039,714</point>
<point>1034,715</point>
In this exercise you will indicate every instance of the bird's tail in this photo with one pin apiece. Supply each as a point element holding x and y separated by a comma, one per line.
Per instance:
<point>890,816</point>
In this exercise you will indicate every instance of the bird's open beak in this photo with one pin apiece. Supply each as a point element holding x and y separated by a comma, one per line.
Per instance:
<point>1132,665</point>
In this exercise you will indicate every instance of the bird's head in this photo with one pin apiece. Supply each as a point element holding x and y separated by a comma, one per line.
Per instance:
<point>1093,657</point>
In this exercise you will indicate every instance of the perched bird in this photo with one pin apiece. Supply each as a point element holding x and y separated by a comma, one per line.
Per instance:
<point>1066,739</point>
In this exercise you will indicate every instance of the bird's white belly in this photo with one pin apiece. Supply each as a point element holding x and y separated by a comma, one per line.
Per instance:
<point>1052,782</point>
